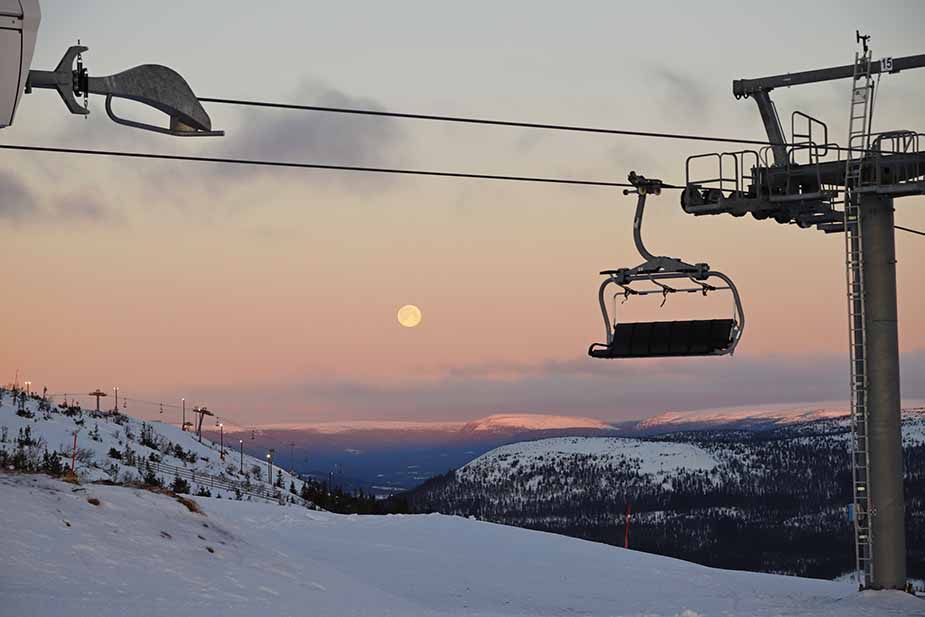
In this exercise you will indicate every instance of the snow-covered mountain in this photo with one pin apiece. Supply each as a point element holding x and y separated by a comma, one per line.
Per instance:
<point>761,417</point>
<point>107,551</point>
<point>659,460</point>
<point>698,495</point>
<point>120,448</point>
<point>497,422</point>
<point>348,426</point>
<point>523,422</point>
<point>385,456</point>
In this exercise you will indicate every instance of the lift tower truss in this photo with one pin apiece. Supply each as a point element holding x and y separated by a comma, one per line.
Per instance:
<point>811,182</point>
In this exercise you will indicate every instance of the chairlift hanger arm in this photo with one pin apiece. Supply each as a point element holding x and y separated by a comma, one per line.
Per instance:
<point>644,187</point>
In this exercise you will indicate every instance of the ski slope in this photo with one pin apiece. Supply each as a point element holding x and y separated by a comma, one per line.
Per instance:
<point>98,434</point>
<point>141,553</point>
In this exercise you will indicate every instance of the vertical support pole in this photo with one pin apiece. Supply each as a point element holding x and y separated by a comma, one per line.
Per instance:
<point>772,126</point>
<point>887,514</point>
<point>74,455</point>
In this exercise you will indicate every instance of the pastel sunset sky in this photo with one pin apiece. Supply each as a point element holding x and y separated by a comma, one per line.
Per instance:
<point>271,295</point>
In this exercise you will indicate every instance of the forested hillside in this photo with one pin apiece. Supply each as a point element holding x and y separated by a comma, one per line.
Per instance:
<point>772,501</point>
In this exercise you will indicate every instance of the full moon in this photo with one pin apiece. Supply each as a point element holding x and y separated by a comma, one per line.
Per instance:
<point>409,316</point>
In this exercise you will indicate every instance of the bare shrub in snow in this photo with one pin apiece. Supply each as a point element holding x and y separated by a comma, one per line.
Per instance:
<point>85,456</point>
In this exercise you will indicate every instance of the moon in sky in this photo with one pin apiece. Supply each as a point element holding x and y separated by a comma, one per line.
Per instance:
<point>409,316</point>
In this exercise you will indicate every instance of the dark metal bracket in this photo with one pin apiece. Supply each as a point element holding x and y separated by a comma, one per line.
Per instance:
<point>154,85</point>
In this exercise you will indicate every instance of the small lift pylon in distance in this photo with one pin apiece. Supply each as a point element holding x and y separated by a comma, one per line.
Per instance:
<point>656,339</point>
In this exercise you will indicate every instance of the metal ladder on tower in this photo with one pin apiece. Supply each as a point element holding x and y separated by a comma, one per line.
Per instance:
<point>858,144</point>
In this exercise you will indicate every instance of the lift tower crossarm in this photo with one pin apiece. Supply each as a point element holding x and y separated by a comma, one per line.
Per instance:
<point>749,87</point>
<point>760,89</point>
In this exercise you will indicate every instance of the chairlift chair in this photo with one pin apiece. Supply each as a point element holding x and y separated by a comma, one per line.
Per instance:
<point>658,339</point>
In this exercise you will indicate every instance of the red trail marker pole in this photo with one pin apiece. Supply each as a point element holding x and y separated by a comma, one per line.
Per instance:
<point>626,536</point>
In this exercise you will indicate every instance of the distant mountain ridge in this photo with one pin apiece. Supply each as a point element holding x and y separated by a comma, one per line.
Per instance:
<point>534,422</point>
<point>386,456</point>
<point>755,417</point>
<point>502,422</point>
<point>763,417</point>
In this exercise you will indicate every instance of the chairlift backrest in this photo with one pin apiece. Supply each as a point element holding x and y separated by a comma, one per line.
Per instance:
<point>652,339</point>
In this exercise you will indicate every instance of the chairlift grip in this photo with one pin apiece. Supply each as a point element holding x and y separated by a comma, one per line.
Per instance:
<point>154,85</point>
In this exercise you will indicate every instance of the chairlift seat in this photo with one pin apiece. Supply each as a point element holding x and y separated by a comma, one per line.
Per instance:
<point>655,339</point>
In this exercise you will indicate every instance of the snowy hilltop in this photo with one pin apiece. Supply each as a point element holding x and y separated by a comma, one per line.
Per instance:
<point>36,435</point>
<point>699,495</point>
<point>658,460</point>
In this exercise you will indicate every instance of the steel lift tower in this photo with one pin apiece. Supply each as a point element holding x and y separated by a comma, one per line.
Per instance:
<point>811,183</point>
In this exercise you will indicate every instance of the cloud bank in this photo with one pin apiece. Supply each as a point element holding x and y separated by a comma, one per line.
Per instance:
<point>608,390</point>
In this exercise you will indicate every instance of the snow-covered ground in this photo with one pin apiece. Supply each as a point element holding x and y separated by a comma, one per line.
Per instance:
<point>140,553</point>
<point>98,435</point>
<point>658,459</point>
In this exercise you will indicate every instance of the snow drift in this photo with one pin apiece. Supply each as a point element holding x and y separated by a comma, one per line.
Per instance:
<point>141,553</point>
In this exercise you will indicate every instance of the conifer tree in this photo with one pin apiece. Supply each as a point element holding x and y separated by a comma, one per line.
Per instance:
<point>180,486</point>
